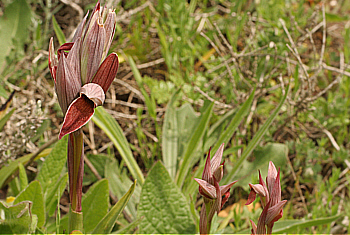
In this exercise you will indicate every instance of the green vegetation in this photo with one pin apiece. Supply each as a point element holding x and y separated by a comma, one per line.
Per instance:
<point>270,79</point>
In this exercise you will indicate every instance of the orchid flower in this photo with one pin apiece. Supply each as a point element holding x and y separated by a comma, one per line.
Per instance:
<point>214,196</point>
<point>270,195</point>
<point>82,73</point>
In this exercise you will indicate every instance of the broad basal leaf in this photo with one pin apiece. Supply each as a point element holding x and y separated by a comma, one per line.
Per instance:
<point>16,218</point>
<point>34,194</point>
<point>95,204</point>
<point>163,206</point>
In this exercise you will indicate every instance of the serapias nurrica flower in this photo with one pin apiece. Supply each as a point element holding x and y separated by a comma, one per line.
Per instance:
<point>214,196</point>
<point>270,195</point>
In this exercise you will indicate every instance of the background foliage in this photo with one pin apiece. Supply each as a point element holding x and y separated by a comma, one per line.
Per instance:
<point>268,78</point>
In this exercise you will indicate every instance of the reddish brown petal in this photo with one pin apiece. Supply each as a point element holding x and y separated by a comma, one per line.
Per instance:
<point>251,197</point>
<point>253,227</point>
<point>275,193</point>
<point>274,213</point>
<point>67,86</point>
<point>109,25</point>
<point>261,229</point>
<point>264,185</point>
<point>106,72</point>
<point>216,160</point>
<point>207,172</point>
<point>224,198</point>
<point>271,176</point>
<point>93,18</point>
<point>52,60</point>
<point>218,197</point>
<point>64,47</point>
<point>226,188</point>
<point>73,59</point>
<point>79,31</point>
<point>219,173</point>
<point>78,114</point>
<point>259,189</point>
<point>94,92</point>
<point>92,50</point>
<point>208,190</point>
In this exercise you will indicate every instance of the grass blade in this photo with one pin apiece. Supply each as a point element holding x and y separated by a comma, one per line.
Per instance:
<point>170,138</point>
<point>193,144</point>
<point>106,225</point>
<point>59,33</point>
<point>255,141</point>
<point>242,112</point>
<point>112,129</point>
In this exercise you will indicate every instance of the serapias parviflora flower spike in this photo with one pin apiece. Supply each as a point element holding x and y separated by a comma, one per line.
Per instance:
<point>214,195</point>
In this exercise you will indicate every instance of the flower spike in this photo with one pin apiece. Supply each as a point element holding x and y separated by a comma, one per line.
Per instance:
<point>270,200</point>
<point>214,195</point>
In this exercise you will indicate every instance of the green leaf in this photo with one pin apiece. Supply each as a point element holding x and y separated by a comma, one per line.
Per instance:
<point>112,129</point>
<point>230,130</point>
<point>41,129</point>
<point>95,204</point>
<point>14,186</point>
<point>119,184</point>
<point>54,163</point>
<point>187,121</point>
<point>254,142</point>
<point>149,101</point>
<point>54,192</point>
<point>3,92</point>
<point>23,180</point>
<point>34,194</point>
<point>128,228</point>
<point>163,206</point>
<point>275,152</point>
<point>7,171</point>
<point>6,118</point>
<point>292,226</point>
<point>18,218</point>
<point>331,18</point>
<point>170,138</point>
<point>191,148</point>
<point>107,223</point>
<point>99,161</point>
<point>59,33</point>
<point>14,29</point>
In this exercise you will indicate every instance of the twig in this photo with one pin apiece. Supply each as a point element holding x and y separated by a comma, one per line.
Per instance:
<point>41,148</point>
<point>297,186</point>
<point>222,105</point>
<point>295,52</point>
<point>225,62</point>
<point>132,11</point>
<point>137,92</point>
<point>34,155</point>
<point>324,130</point>
<point>151,63</point>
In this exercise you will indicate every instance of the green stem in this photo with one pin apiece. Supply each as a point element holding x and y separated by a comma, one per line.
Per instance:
<point>75,221</point>
<point>269,229</point>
